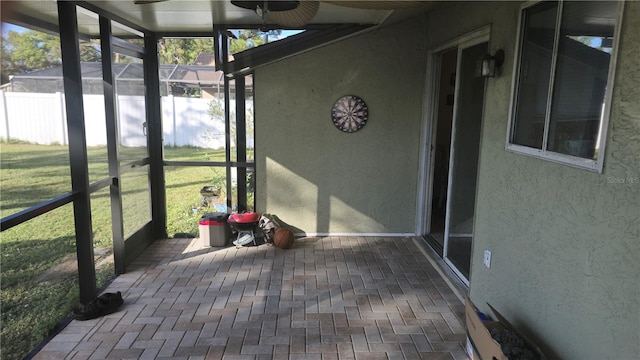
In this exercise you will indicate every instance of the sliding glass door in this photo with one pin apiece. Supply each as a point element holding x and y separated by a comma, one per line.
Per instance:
<point>463,161</point>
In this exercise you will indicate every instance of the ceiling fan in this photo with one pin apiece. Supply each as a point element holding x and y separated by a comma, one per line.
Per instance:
<point>144,2</point>
<point>273,5</point>
<point>290,13</point>
<point>296,13</point>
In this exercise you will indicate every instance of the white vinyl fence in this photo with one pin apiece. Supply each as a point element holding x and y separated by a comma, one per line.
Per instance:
<point>41,119</point>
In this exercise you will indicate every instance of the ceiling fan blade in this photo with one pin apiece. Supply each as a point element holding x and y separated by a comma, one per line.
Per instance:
<point>272,5</point>
<point>379,4</point>
<point>144,2</point>
<point>297,17</point>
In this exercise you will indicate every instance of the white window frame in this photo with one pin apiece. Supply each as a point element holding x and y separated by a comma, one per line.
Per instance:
<point>583,163</point>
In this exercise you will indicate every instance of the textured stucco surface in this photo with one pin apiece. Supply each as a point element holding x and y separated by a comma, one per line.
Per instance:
<point>319,179</point>
<point>565,241</point>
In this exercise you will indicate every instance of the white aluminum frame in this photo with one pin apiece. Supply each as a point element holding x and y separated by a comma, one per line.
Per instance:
<point>427,135</point>
<point>578,162</point>
<point>425,180</point>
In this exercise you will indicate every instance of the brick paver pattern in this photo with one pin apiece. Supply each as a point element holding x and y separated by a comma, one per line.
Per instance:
<point>324,298</point>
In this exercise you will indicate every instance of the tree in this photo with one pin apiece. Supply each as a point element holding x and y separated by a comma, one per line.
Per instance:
<point>30,50</point>
<point>245,39</point>
<point>90,51</point>
<point>250,38</point>
<point>183,51</point>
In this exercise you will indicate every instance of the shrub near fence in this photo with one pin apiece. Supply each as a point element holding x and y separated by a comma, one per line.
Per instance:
<point>41,119</point>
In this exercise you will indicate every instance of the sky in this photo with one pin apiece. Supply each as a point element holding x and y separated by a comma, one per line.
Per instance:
<point>6,27</point>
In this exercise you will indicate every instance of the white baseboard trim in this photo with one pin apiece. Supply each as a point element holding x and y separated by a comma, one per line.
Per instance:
<point>308,234</point>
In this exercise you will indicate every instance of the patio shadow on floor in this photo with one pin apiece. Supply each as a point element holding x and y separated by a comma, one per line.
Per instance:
<point>325,298</point>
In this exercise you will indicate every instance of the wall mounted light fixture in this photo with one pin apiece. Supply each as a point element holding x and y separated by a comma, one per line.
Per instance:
<point>488,64</point>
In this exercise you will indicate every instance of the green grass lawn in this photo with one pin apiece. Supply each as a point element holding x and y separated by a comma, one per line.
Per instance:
<point>38,279</point>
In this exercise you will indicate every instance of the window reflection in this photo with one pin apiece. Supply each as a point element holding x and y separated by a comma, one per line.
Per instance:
<point>584,55</point>
<point>534,76</point>
<point>562,77</point>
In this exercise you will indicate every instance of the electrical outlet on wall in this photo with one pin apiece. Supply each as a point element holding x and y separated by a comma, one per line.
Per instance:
<point>487,258</point>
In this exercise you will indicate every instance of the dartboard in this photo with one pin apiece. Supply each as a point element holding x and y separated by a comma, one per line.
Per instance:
<point>349,113</point>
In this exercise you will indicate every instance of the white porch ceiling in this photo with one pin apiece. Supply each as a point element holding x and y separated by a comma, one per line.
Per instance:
<point>175,16</point>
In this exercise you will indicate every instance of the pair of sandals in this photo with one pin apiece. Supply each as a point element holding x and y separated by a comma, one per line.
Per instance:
<point>104,304</point>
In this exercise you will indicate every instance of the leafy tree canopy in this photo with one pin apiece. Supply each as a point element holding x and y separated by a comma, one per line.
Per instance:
<point>30,50</point>
<point>183,51</point>
<point>250,38</point>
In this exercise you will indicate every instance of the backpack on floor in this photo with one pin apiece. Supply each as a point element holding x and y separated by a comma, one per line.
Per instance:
<point>268,227</point>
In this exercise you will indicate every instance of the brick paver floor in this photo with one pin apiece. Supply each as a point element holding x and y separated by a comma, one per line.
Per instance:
<point>325,298</point>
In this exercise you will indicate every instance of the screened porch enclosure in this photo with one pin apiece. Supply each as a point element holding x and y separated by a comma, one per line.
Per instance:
<point>109,150</point>
<point>554,224</point>
<point>127,120</point>
<point>175,79</point>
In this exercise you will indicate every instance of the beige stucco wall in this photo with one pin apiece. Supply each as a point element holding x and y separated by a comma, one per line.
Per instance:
<point>319,179</point>
<point>565,241</point>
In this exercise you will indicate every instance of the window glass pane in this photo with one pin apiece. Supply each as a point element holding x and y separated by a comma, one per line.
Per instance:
<point>127,34</point>
<point>251,189</point>
<point>34,138</point>
<point>131,111</point>
<point>136,200</point>
<point>193,128</point>
<point>93,95</point>
<point>32,174</point>
<point>534,74</point>
<point>244,39</point>
<point>584,55</point>
<point>186,200</point>
<point>250,142</point>
<point>90,53</point>
<point>234,189</point>
<point>102,236</point>
<point>232,120</point>
<point>249,117</point>
<point>199,81</point>
<point>39,279</point>
<point>192,100</point>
